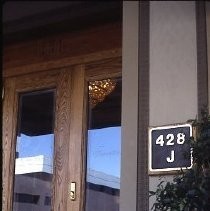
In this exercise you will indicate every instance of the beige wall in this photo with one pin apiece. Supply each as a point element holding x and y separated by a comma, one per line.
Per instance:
<point>173,80</point>
<point>173,67</point>
<point>173,84</point>
<point>129,106</point>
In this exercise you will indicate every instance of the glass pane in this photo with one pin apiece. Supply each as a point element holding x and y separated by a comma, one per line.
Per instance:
<point>104,146</point>
<point>34,152</point>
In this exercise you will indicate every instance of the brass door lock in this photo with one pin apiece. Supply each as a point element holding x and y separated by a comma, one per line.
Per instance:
<point>72,191</point>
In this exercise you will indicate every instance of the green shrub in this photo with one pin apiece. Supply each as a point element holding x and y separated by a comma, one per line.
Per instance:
<point>190,189</point>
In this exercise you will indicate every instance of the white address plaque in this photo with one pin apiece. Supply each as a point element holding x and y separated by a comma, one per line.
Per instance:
<point>169,148</point>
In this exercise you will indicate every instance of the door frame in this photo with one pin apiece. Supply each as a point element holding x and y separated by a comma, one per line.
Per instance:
<point>70,125</point>
<point>69,85</point>
<point>13,86</point>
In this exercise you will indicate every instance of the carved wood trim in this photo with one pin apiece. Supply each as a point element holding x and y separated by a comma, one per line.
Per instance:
<point>55,64</point>
<point>63,50</point>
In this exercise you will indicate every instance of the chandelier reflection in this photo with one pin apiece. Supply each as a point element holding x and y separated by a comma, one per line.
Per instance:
<point>98,90</point>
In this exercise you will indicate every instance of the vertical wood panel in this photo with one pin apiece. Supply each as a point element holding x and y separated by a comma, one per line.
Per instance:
<point>76,150</point>
<point>9,122</point>
<point>62,131</point>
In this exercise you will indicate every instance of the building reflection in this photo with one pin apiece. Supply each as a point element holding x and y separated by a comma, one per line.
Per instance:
<point>32,189</point>
<point>33,177</point>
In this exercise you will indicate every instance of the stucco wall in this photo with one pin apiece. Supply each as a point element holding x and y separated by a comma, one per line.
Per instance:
<point>129,106</point>
<point>173,67</point>
<point>173,80</point>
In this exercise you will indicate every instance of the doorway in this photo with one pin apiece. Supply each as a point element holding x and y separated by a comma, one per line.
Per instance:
<point>62,141</point>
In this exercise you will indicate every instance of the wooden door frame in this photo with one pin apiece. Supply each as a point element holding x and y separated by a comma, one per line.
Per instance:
<point>62,50</point>
<point>70,78</point>
<point>70,60</point>
<point>64,81</point>
<point>14,86</point>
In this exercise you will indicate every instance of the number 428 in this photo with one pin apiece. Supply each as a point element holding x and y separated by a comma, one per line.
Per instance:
<point>170,139</point>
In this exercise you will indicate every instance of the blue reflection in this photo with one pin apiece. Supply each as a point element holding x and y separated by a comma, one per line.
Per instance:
<point>30,146</point>
<point>104,150</point>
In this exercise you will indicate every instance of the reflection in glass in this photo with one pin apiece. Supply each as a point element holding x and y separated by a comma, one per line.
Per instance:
<point>104,147</point>
<point>34,152</point>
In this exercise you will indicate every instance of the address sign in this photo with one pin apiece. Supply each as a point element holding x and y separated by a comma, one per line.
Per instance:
<point>169,148</point>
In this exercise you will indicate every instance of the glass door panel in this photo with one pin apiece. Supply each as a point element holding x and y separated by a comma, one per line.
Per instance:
<point>34,152</point>
<point>104,145</point>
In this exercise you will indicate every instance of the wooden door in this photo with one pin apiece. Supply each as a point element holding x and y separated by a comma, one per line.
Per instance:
<point>70,88</point>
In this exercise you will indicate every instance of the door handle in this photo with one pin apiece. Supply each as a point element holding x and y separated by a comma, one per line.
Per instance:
<point>72,191</point>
